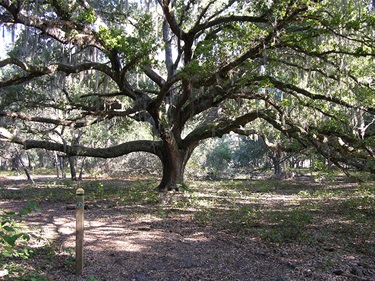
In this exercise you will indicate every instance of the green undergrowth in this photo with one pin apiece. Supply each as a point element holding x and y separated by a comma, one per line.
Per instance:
<point>288,212</point>
<point>14,243</point>
<point>275,211</point>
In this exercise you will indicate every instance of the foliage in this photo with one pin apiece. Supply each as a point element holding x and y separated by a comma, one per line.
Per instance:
<point>219,158</point>
<point>14,237</point>
<point>231,154</point>
<point>250,152</point>
<point>292,222</point>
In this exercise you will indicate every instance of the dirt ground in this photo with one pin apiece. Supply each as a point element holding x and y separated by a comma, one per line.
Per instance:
<point>121,244</point>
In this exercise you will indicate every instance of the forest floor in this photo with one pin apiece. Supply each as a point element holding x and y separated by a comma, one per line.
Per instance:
<point>216,230</point>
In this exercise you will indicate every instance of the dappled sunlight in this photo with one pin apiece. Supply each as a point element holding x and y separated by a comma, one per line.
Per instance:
<point>197,237</point>
<point>66,229</point>
<point>234,228</point>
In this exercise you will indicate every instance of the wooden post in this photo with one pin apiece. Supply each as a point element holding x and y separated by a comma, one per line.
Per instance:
<point>80,193</point>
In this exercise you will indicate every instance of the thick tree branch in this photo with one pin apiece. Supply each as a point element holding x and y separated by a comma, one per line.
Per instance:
<point>154,76</point>
<point>77,123</point>
<point>221,128</point>
<point>171,19</point>
<point>111,152</point>
<point>32,71</point>
<point>153,147</point>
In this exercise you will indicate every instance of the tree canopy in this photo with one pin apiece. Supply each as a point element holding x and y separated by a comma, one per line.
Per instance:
<point>189,70</point>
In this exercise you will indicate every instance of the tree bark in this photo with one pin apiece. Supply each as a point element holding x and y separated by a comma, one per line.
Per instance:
<point>15,163</point>
<point>174,160</point>
<point>29,178</point>
<point>81,169</point>
<point>19,157</point>
<point>40,154</point>
<point>276,162</point>
<point>3,165</point>
<point>56,164</point>
<point>62,166</point>
<point>72,168</point>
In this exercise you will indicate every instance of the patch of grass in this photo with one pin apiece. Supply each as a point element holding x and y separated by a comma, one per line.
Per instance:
<point>16,271</point>
<point>40,262</point>
<point>9,173</point>
<point>203,217</point>
<point>54,191</point>
<point>286,226</point>
<point>257,208</point>
<point>120,192</point>
<point>243,219</point>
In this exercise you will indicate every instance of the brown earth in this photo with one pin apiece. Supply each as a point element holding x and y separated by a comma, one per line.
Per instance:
<point>146,242</point>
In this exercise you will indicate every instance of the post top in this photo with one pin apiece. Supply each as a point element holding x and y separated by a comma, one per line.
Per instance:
<point>80,191</point>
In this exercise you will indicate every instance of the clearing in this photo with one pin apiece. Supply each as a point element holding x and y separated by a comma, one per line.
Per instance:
<point>216,230</point>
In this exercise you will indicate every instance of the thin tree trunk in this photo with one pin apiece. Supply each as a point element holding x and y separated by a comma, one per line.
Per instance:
<point>56,163</point>
<point>41,158</point>
<point>3,165</point>
<point>72,168</point>
<point>26,171</point>
<point>29,178</point>
<point>62,166</point>
<point>81,169</point>
<point>276,162</point>
<point>29,160</point>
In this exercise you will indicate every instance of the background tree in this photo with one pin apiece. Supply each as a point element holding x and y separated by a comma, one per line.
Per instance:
<point>189,71</point>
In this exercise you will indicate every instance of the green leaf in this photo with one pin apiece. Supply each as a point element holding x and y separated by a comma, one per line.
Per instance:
<point>7,254</point>
<point>33,206</point>
<point>11,240</point>
<point>26,237</point>
<point>9,228</point>
<point>25,211</point>
<point>4,223</point>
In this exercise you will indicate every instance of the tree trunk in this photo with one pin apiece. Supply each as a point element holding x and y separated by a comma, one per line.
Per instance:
<point>29,178</point>
<point>56,163</point>
<point>62,166</point>
<point>276,162</point>
<point>72,168</point>
<point>20,160</point>
<point>277,167</point>
<point>29,160</point>
<point>15,163</point>
<point>41,154</point>
<point>81,169</point>
<point>174,161</point>
<point>3,165</point>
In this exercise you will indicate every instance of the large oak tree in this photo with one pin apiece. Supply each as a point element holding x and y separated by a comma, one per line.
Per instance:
<point>191,70</point>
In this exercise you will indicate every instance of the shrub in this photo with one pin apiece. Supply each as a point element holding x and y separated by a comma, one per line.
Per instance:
<point>13,236</point>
